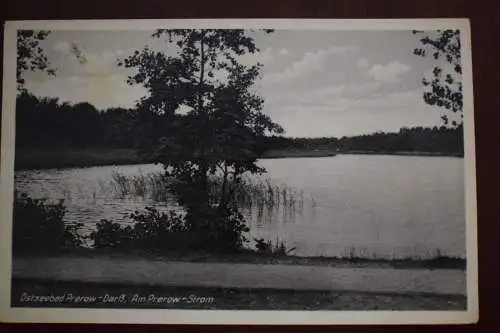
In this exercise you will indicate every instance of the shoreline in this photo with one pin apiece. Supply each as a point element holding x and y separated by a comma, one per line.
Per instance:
<point>65,159</point>
<point>254,257</point>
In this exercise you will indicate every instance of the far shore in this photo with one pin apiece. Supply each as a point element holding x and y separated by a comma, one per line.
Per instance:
<point>51,159</point>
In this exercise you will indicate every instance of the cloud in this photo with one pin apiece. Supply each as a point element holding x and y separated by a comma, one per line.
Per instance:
<point>389,72</point>
<point>335,111</point>
<point>310,62</point>
<point>265,57</point>
<point>102,64</point>
<point>328,96</point>
<point>62,46</point>
<point>363,63</point>
<point>100,91</point>
<point>283,53</point>
<point>81,63</point>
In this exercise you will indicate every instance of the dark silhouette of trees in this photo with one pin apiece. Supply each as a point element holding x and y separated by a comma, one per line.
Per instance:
<point>439,140</point>
<point>444,89</point>
<point>30,55</point>
<point>48,123</point>
<point>203,121</point>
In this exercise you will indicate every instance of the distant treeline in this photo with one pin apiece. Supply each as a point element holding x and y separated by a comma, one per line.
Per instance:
<point>46,123</point>
<point>439,140</point>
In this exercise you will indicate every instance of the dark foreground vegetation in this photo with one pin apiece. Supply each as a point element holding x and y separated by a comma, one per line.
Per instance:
<point>129,296</point>
<point>39,230</point>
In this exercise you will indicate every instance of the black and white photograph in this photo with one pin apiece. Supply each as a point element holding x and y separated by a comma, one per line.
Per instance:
<point>318,171</point>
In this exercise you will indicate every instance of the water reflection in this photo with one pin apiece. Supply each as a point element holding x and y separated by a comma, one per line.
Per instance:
<point>386,205</point>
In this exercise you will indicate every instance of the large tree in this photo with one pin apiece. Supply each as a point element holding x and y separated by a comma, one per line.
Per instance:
<point>203,122</point>
<point>30,54</point>
<point>444,89</point>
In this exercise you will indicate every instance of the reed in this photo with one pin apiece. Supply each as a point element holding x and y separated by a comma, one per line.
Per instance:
<point>255,196</point>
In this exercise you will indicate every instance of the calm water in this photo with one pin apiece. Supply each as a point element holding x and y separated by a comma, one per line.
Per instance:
<point>377,205</point>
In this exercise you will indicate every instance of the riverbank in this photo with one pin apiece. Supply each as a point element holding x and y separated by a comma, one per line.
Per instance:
<point>48,159</point>
<point>150,297</point>
<point>51,159</point>
<point>350,260</point>
<point>403,153</point>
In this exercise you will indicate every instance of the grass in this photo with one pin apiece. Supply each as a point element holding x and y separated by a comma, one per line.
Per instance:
<point>403,153</point>
<point>48,159</point>
<point>281,255</point>
<point>296,153</point>
<point>145,296</point>
<point>27,159</point>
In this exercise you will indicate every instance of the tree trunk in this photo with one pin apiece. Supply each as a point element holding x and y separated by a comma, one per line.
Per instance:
<point>202,114</point>
<point>223,201</point>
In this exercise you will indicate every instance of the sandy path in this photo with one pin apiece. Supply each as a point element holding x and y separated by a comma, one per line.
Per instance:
<point>229,275</point>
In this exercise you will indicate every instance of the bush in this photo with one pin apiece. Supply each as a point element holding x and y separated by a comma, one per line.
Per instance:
<point>39,227</point>
<point>278,249</point>
<point>152,230</point>
<point>216,229</point>
<point>157,231</point>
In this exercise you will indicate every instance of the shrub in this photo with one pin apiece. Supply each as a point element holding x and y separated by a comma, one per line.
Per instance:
<point>159,231</point>
<point>278,249</point>
<point>112,235</point>
<point>152,230</point>
<point>38,226</point>
<point>216,229</point>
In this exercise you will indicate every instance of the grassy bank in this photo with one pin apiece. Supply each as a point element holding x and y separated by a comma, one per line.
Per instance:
<point>47,159</point>
<point>254,257</point>
<point>402,153</point>
<point>296,153</point>
<point>95,295</point>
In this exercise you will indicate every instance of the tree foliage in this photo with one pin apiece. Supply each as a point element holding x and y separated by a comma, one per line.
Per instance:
<point>39,227</point>
<point>204,119</point>
<point>444,89</point>
<point>30,55</point>
<point>72,126</point>
<point>438,140</point>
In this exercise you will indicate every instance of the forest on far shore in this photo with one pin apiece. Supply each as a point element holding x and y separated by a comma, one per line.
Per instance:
<point>48,124</point>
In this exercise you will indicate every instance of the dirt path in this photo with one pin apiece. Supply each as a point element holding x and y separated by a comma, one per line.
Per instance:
<point>228,275</point>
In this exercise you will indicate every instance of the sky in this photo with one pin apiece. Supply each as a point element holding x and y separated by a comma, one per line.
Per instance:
<point>314,83</point>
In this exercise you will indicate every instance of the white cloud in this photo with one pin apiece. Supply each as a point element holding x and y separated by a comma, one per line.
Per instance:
<point>310,62</point>
<point>389,72</point>
<point>325,96</point>
<point>98,64</point>
<point>82,63</point>
<point>62,46</point>
<point>100,91</point>
<point>283,53</point>
<point>265,57</point>
<point>363,63</point>
<point>333,111</point>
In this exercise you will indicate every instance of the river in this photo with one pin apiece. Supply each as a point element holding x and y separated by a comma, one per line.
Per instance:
<point>367,205</point>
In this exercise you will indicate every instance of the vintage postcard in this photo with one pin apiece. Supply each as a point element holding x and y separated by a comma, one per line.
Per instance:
<point>238,172</point>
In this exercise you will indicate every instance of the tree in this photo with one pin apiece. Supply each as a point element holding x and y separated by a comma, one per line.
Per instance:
<point>204,123</point>
<point>30,55</point>
<point>445,88</point>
